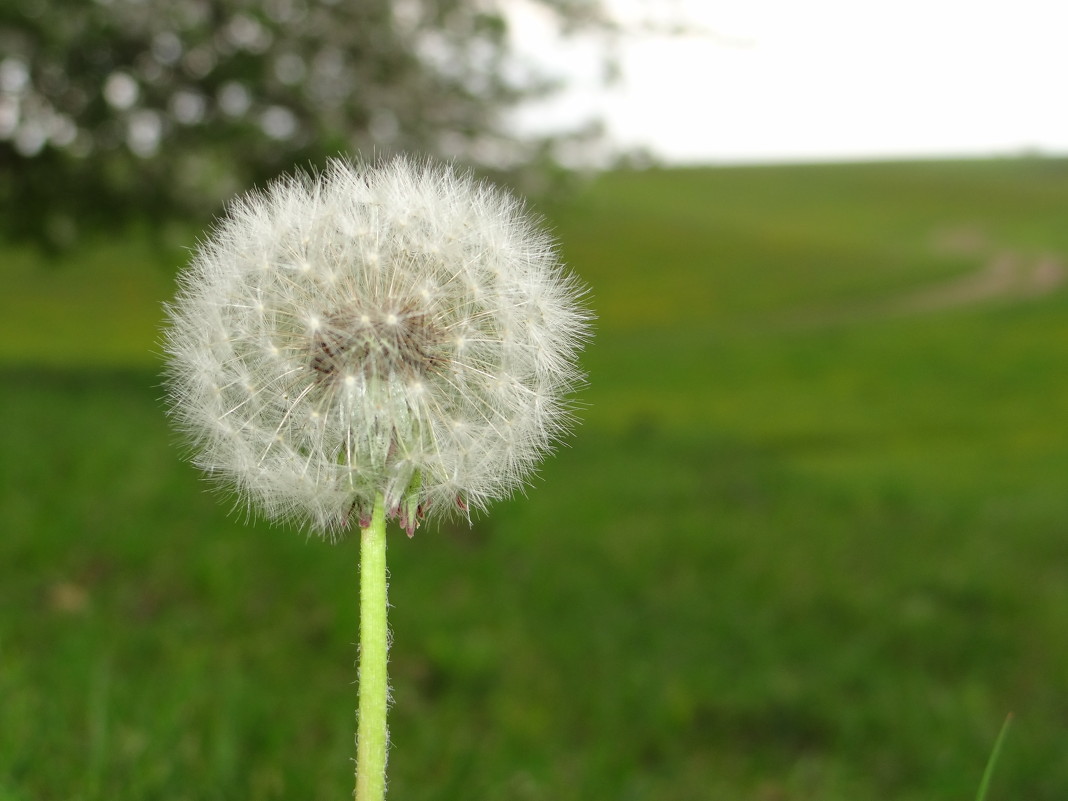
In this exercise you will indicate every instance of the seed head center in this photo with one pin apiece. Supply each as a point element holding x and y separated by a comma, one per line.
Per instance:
<point>398,340</point>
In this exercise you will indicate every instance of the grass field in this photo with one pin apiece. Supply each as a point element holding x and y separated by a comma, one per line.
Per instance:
<point>810,542</point>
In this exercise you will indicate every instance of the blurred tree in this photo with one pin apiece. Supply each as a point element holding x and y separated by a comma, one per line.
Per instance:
<point>169,106</point>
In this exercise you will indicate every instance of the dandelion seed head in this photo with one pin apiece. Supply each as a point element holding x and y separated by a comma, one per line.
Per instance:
<point>401,330</point>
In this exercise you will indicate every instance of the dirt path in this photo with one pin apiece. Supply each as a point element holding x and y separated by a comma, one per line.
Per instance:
<point>1001,274</point>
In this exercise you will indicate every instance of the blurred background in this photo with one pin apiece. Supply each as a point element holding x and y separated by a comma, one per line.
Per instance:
<point>811,538</point>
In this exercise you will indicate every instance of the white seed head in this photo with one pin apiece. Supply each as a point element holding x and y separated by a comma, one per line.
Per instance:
<point>400,329</point>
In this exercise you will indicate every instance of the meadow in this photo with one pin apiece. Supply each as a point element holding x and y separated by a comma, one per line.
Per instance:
<point>810,540</point>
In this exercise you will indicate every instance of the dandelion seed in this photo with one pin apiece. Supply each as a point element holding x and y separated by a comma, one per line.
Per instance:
<point>400,331</point>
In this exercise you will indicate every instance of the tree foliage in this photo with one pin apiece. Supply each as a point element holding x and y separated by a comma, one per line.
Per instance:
<point>169,106</point>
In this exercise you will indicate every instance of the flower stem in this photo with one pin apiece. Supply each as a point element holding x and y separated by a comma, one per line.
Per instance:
<point>371,734</point>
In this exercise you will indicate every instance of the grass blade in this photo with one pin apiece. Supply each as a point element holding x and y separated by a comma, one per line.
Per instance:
<point>984,785</point>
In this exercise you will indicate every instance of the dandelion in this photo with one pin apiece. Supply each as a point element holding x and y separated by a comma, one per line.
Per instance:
<point>401,330</point>
<point>370,343</point>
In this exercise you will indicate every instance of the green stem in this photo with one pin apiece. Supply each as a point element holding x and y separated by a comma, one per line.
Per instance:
<point>371,734</point>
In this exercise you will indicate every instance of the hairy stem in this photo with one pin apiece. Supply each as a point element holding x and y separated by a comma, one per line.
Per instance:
<point>371,734</point>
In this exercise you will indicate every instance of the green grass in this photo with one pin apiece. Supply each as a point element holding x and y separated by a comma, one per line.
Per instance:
<point>790,554</point>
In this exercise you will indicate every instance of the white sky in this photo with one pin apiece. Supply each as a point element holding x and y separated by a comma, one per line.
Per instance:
<point>787,80</point>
